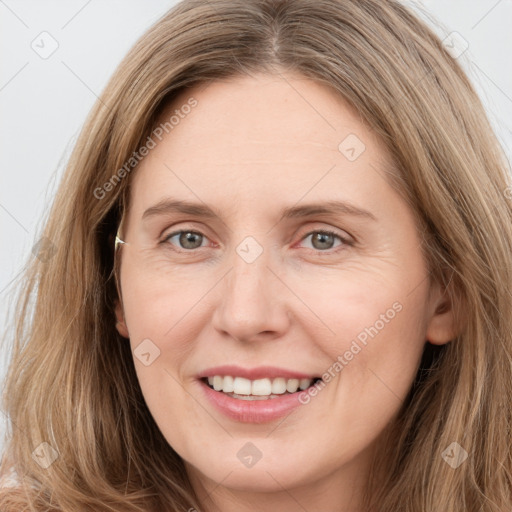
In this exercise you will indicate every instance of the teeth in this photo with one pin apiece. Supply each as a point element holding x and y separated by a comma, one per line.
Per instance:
<point>292,385</point>
<point>228,386</point>
<point>278,386</point>
<point>304,383</point>
<point>218,382</point>
<point>259,387</point>
<point>241,386</point>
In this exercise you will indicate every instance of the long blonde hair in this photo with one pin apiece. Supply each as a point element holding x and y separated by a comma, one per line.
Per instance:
<point>71,381</point>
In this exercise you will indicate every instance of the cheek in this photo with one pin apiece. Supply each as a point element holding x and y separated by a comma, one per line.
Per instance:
<point>160,320</point>
<point>160,315</point>
<point>363,304</point>
<point>373,334</point>
<point>156,301</point>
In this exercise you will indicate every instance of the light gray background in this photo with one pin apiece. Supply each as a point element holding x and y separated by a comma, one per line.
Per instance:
<point>44,102</point>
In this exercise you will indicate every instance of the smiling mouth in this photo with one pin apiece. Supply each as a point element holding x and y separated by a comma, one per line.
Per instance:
<point>259,389</point>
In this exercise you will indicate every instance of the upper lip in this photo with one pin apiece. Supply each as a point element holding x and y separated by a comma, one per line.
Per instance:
<point>258,372</point>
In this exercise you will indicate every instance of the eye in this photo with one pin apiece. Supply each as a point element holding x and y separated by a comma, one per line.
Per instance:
<point>323,240</point>
<point>187,239</point>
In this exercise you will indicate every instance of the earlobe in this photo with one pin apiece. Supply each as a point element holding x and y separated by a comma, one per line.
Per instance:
<point>443,325</point>
<point>121,327</point>
<point>441,328</point>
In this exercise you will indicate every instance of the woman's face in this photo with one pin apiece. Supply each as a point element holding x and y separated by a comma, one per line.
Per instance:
<point>298,261</point>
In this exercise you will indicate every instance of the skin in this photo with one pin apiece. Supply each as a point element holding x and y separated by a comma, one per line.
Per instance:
<point>252,146</point>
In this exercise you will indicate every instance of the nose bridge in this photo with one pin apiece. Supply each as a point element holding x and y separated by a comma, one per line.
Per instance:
<point>251,299</point>
<point>250,274</point>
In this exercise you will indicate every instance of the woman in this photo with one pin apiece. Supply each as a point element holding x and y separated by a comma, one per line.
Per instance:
<point>194,345</point>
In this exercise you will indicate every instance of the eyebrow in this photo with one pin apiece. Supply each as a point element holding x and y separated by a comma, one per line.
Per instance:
<point>170,205</point>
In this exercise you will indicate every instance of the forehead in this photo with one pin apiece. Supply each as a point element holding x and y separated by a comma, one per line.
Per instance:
<point>260,138</point>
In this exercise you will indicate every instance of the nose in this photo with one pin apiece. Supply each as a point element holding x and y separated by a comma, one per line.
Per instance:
<point>252,301</point>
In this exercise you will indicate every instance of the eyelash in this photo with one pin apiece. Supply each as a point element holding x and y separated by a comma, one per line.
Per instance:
<point>345,242</point>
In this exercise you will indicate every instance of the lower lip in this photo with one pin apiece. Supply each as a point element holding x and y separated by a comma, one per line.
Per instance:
<point>251,411</point>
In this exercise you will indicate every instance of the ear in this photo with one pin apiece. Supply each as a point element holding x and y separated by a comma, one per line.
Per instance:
<point>121,327</point>
<point>443,324</point>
